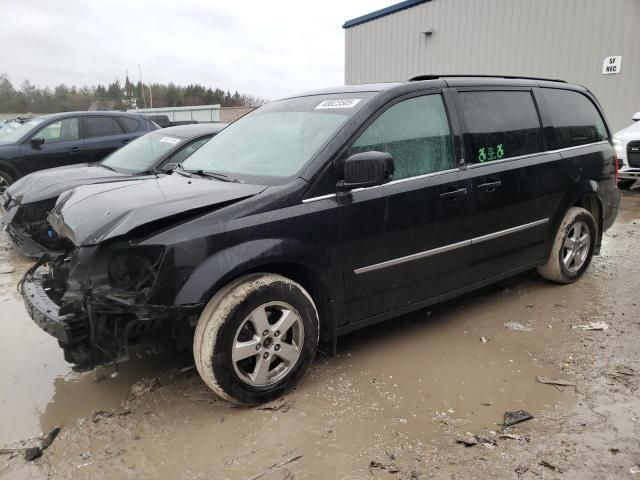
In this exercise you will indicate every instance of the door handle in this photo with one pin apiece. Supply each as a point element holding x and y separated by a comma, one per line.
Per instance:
<point>453,194</point>
<point>74,150</point>
<point>124,142</point>
<point>490,186</point>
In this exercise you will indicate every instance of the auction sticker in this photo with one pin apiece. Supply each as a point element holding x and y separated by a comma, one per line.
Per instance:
<point>171,140</point>
<point>338,103</point>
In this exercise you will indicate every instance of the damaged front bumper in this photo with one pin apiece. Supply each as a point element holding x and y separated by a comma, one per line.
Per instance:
<point>28,229</point>
<point>100,328</point>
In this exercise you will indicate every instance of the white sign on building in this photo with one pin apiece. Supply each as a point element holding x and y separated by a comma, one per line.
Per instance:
<point>611,65</point>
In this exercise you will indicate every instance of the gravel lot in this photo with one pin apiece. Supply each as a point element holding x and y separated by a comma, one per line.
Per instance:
<point>393,404</point>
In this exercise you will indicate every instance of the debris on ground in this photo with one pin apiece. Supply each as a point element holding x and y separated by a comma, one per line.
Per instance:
<point>6,269</point>
<point>469,440</point>
<point>143,388</point>
<point>276,467</point>
<point>31,453</point>
<point>625,370</point>
<point>101,414</point>
<point>592,326</point>
<point>521,470</point>
<point>510,436</point>
<point>550,466</point>
<point>389,468</point>
<point>283,405</point>
<point>517,416</point>
<point>483,339</point>
<point>518,327</point>
<point>555,381</point>
<point>635,469</point>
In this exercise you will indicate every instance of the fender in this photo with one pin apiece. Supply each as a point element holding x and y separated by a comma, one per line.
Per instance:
<point>301,260</point>
<point>227,264</point>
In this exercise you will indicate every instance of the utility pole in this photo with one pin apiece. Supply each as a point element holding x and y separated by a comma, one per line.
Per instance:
<point>144,99</point>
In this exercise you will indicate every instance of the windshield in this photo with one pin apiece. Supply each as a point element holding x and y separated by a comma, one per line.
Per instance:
<point>19,131</point>
<point>143,153</point>
<point>9,127</point>
<point>278,139</point>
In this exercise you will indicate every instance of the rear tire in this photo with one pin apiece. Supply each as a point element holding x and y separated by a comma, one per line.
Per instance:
<point>572,248</point>
<point>256,338</point>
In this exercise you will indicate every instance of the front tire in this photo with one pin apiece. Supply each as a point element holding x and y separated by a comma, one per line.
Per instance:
<point>5,180</point>
<point>256,338</point>
<point>625,183</point>
<point>572,248</point>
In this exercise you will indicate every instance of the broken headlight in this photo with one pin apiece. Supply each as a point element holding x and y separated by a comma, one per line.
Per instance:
<point>134,269</point>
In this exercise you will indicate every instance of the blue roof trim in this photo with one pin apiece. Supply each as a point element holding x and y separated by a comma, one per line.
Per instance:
<point>382,12</point>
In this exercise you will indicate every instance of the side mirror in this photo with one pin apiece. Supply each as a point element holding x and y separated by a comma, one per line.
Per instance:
<point>36,142</point>
<point>636,117</point>
<point>366,169</point>
<point>167,167</point>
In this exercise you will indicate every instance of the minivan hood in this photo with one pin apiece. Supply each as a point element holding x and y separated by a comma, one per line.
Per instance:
<point>91,214</point>
<point>50,183</point>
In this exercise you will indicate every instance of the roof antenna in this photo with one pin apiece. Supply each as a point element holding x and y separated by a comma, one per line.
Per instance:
<point>144,99</point>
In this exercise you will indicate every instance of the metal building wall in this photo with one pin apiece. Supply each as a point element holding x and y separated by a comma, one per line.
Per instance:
<point>566,39</point>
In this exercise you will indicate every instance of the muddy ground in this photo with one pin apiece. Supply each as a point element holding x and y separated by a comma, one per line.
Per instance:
<point>391,405</point>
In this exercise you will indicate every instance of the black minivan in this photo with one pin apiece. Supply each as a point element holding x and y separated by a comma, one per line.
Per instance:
<point>323,213</point>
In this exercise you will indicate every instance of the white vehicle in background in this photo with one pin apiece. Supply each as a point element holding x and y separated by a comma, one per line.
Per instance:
<point>627,143</point>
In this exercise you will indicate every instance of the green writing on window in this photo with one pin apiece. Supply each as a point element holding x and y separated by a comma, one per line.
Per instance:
<point>490,153</point>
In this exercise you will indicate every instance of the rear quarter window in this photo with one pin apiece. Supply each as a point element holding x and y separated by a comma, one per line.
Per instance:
<point>129,125</point>
<point>576,120</point>
<point>500,124</point>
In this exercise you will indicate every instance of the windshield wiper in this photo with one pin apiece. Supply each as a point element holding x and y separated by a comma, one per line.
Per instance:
<point>107,167</point>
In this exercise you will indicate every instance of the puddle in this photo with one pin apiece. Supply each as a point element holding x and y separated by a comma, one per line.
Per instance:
<point>39,388</point>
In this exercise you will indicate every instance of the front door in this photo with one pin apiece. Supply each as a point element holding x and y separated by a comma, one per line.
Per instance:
<point>58,143</point>
<point>404,242</point>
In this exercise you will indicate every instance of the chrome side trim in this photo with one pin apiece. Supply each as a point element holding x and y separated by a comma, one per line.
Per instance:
<point>321,197</point>
<point>448,248</point>
<point>508,231</point>
<point>414,256</point>
<point>407,179</point>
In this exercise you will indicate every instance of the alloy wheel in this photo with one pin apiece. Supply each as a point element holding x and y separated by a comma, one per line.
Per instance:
<point>268,344</point>
<point>575,248</point>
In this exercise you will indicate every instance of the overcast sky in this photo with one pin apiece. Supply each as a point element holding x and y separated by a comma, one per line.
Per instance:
<point>264,48</point>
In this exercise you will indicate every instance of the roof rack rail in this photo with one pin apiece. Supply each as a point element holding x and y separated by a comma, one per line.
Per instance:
<point>510,77</point>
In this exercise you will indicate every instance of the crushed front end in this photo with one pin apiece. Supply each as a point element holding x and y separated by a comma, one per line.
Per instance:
<point>98,301</point>
<point>27,226</point>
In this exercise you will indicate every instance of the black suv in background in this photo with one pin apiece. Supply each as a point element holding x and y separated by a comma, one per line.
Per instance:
<point>62,139</point>
<point>323,213</point>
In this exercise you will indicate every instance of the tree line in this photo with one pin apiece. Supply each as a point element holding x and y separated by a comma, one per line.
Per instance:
<point>114,96</point>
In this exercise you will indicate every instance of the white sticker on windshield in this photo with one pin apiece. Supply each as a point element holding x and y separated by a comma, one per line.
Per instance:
<point>171,140</point>
<point>338,103</point>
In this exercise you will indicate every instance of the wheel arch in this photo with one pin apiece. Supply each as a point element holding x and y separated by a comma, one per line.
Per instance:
<point>586,195</point>
<point>6,167</point>
<point>266,256</point>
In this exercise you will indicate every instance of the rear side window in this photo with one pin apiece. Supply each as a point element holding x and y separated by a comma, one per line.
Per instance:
<point>575,118</point>
<point>415,132</point>
<point>130,125</point>
<point>102,127</point>
<point>500,125</point>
